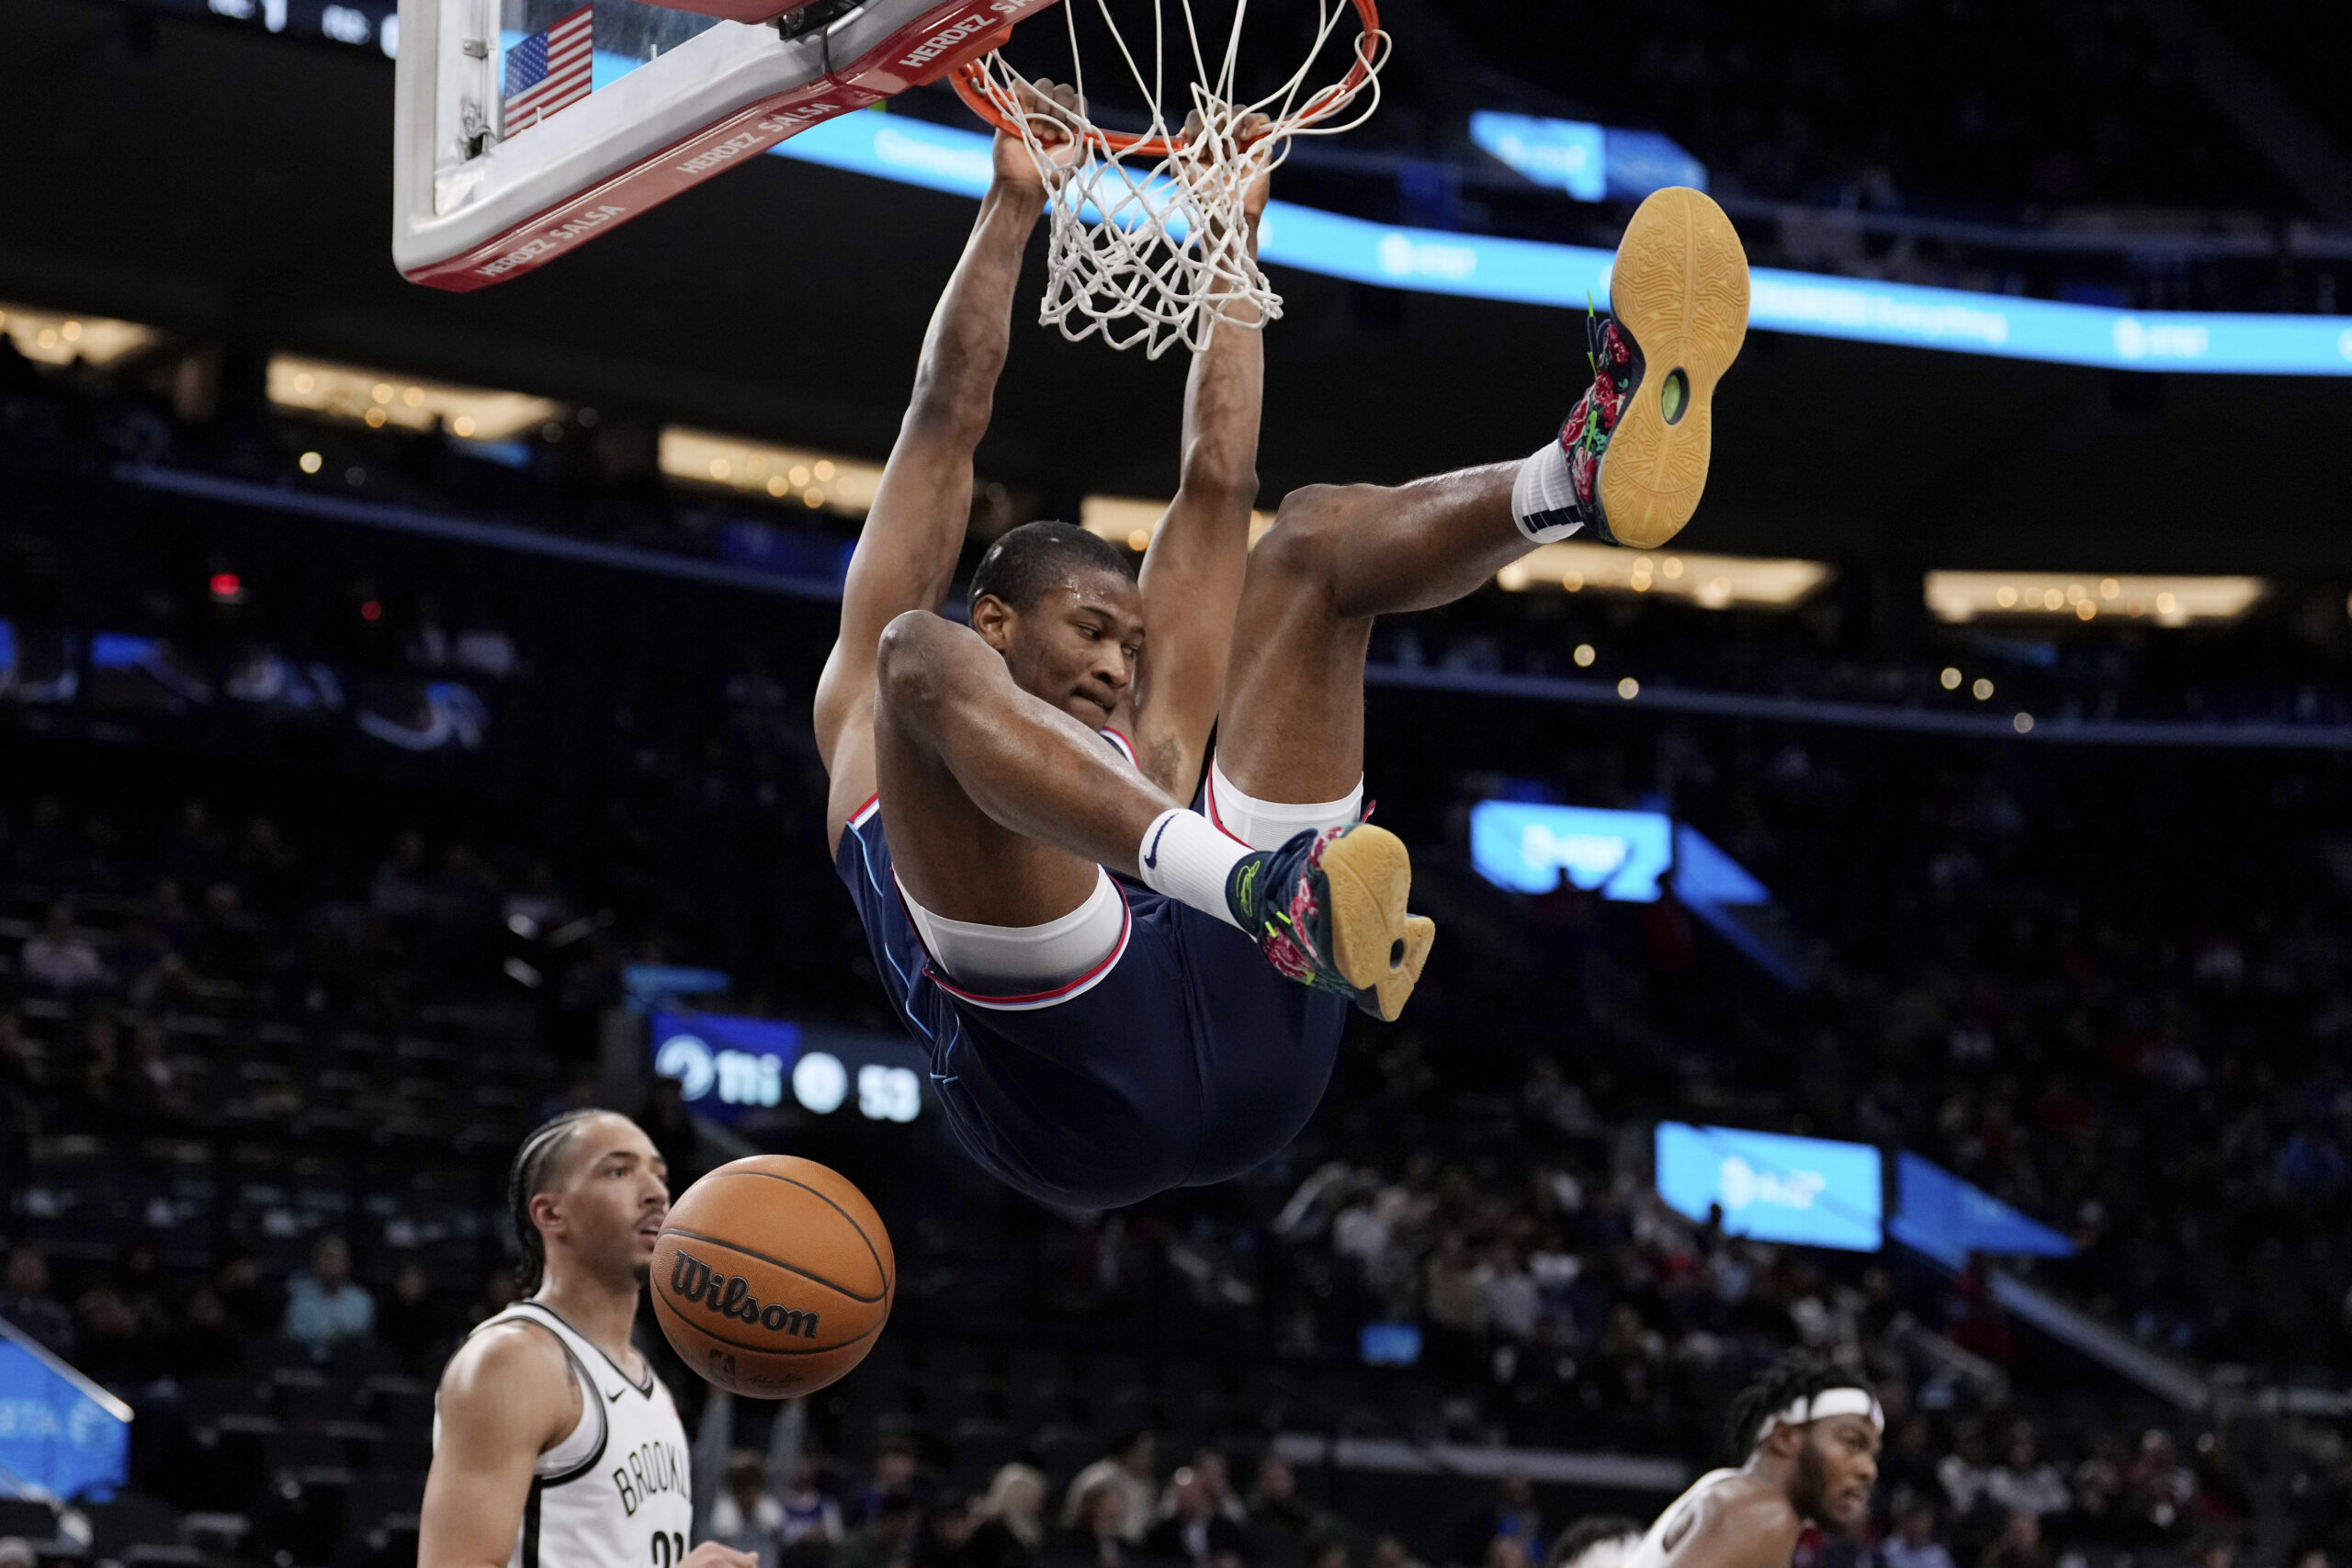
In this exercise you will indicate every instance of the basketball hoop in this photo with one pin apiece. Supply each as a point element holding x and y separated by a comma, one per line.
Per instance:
<point>1146,240</point>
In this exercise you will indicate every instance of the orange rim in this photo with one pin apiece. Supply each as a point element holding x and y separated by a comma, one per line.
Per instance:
<point>969,76</point>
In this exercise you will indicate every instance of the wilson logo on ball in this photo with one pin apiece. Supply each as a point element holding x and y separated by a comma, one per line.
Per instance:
<point>692,1280</point>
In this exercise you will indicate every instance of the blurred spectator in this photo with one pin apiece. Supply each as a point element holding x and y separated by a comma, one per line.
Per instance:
<point>58,958</point>
<point>1329,1548</point>
<point>2019,1545</point>
<point>1012,1528</point>
<point>205,1343</point>
<point>1602,1540</point>
<point>253,1305</point>
<point>2222,1499</point>
<point>1100,1534</point>
<point>324,1305</point>
<point>1511,1298</point>
<point>1127,1470</point>
<point>1276,1511</point>
<point>896,1472</point>
<point>98,1088</point>
<point>1962,1473</point>
<point>887,1539</point>
<point>1390,1551</point>
<point>499,1290</point>
<point>412,1323</point>
<point>1216,1485</point>
<point>139,1275</point>
<point>2157,1486</point>
<point>1194,1531</point>
<point>1914,1542</point>
<point>25,1302</point>
<point>2024,1481</point>
<point>1455,1305</point>
<point>152,1087</point>
<point>746,1516</point>
<point>1508,1512</point>
<point>112,1349</point>
<point>808,1515</point>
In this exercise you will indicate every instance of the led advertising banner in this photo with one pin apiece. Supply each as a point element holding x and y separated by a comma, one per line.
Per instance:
<point>58,1431</point>
<point>1528,847</point>
<point>1589,161</point>
<point>1937,1213</point>
<point>1811,1192</point>
<point>1486,266</point>
<point>731,1069</point>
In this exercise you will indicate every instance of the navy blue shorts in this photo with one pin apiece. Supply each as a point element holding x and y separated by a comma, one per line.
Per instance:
<point>1182,1060</point>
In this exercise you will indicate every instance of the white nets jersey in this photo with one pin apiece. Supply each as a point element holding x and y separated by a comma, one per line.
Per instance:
<point>615,1493</point>
<point>1652,1553</point>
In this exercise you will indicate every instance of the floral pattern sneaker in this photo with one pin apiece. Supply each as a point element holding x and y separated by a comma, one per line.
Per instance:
<point>1328,911</point>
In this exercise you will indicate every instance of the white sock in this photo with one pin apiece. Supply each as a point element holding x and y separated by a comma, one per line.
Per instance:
<point>1184,856</point>
<point>1269,825</point>
<point>1543,498</point>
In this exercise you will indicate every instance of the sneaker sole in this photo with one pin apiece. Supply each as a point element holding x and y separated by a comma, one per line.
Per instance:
<point>1379,948</point>
<point>1679,287</point>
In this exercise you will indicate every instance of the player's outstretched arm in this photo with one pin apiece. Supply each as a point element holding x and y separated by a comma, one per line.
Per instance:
<point>906,554</point>
<point>1192,570</point>
<point>506,1397</point>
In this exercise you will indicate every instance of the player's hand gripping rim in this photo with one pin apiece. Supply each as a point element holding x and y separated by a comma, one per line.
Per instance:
<point>1056,116</point>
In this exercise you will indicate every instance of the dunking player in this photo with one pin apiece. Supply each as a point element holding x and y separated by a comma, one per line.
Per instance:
<point>552,1439</point>
<point>1071,944</point>
<point>1811,1432</point>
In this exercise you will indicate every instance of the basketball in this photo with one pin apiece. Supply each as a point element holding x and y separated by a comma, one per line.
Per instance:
<point>772,1277</point>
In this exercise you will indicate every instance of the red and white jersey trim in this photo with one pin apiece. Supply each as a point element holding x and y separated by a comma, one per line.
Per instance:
<point>1058,994</point>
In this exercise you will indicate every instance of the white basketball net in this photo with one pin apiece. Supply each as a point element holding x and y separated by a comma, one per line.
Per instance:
<point>1155,250</point>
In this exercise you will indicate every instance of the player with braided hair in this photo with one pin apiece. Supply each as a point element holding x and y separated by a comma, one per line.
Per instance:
<point>552,1438</point>
<point>1809,1432</point>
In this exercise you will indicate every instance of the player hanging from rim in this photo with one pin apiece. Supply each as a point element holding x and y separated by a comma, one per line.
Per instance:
<point>1095,1041</point>
<point>1810,1430</point>
<point>552,1439</point>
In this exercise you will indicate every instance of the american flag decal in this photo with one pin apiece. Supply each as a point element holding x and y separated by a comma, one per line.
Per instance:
<point>548,71</point>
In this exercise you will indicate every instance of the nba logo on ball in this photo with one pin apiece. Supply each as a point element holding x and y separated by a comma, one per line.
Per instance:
<point>772,1277</point>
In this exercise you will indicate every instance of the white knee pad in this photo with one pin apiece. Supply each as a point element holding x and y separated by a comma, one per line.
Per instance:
<point>1267,825</point>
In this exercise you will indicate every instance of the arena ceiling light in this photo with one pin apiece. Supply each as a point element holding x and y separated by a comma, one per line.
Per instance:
<point>52,337</point>
<point>1962,596</point>
<point>783,473</point>
<point>1131,521</point>
<point>1712,583</point>
<point>379,398</point>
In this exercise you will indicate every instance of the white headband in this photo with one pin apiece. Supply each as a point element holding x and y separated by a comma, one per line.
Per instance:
<point>1827,1402</point>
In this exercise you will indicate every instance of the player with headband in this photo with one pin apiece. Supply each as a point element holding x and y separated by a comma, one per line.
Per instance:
<point>1810,1430</point>
<point>1129,960</point>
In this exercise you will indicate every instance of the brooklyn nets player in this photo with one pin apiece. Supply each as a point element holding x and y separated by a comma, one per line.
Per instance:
<point>553,1441</point>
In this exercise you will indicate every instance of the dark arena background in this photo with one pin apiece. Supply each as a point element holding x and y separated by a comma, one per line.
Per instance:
<point>1906,917</point>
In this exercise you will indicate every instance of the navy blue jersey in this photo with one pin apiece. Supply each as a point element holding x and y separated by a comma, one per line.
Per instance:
<point>1180,1060</point>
